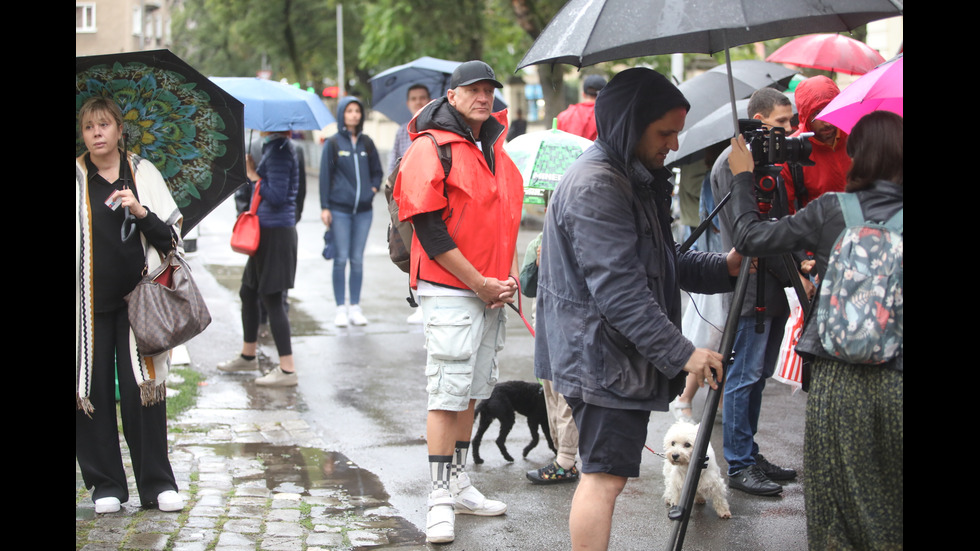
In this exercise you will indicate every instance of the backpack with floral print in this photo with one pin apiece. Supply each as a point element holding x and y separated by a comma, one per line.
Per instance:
<point>860,306</point>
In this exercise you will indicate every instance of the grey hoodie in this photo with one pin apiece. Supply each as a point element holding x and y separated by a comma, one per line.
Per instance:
<point>609,305</point>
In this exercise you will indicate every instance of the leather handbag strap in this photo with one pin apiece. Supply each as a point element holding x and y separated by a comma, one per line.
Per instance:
<point>256,198</point>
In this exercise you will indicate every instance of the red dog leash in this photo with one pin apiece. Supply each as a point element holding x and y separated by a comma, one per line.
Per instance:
<point>520,307</point>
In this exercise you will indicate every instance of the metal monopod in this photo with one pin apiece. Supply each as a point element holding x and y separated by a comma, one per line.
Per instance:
<point>680,514</point>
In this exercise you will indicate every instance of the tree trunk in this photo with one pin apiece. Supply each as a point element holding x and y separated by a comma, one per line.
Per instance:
<point>553,89</point>
<point>552,76</point>
<point>290,40</point>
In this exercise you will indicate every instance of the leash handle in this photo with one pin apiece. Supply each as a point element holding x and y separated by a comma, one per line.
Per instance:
<point>520,307</point>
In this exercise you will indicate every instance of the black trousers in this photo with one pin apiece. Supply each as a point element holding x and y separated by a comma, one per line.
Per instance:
<point>145,428</point>
<point>274,305</point>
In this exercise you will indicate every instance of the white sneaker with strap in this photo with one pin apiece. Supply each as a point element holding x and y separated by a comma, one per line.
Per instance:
<point>440,521</point>
<point>469,500</point>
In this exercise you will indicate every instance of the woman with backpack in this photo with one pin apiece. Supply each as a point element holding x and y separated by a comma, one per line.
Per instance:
<point>350,175</point>
<point>853,447</point>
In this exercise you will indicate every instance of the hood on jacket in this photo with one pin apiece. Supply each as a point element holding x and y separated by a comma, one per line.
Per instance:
<point>440,115</point>
<point>812,95</point>
<point>342,105</point>
<point>631,101</point>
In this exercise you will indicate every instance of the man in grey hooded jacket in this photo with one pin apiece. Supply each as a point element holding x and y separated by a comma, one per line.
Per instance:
<point>609,303</point>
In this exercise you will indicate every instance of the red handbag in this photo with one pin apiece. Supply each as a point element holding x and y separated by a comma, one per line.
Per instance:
<point>245,235</point>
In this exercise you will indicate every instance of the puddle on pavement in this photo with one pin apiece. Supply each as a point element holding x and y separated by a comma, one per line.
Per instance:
<point>327,479</point>
<point>301,324</point>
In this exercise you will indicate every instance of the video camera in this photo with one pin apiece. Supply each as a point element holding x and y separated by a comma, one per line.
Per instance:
<point>770,146</point>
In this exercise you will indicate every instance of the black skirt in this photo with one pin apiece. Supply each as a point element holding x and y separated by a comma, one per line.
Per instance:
<point>273,267</point>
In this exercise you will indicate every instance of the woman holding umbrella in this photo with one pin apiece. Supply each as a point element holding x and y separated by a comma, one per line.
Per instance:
<point>126,221</point>
<point>350,175</point>
<point>853,448</point>
<point>271,271</point>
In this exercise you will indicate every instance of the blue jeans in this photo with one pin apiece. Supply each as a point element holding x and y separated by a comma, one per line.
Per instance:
<point>754,361</point>
<point>350,232</point>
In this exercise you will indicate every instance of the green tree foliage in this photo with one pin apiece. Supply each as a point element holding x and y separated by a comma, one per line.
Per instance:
<point>295,39</point>
<point>399,31</point>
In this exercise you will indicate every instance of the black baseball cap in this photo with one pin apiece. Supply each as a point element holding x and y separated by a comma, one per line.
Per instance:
<point>473,71</point>
<point>592,84</point>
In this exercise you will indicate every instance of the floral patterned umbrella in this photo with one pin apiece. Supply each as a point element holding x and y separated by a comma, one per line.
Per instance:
<point>176,118</point>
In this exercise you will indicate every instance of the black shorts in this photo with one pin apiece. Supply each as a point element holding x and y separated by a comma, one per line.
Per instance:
<point>610,440</point>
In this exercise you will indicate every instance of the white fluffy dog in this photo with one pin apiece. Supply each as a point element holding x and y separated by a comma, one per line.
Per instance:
<point>678,448</point>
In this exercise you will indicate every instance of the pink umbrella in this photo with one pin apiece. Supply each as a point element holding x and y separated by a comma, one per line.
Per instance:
<point>879,90</point>
<point>828,52</point>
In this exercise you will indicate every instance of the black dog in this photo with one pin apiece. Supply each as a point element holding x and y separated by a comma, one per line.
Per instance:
<point>509,397</point>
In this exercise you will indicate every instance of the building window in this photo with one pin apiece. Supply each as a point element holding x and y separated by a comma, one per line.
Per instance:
<point>137,22</point>
<point>84,17</point>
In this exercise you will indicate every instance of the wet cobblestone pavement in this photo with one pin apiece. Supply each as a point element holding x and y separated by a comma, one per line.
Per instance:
<point>253,480</point>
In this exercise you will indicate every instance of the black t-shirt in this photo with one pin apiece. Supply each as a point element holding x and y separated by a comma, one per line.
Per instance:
<point>117,264</point>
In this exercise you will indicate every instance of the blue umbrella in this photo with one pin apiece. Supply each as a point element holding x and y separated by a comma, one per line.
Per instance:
<point>273,106</point>
<point>389,88</point>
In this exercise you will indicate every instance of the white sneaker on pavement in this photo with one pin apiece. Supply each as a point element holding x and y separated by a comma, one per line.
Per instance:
<point>107,505</point>
<point>238,363</point>
<point>278,377</point>
<point>170,501</point>
<point>356,316</point>
<point>469,500</point>
<point>341,320</point>
<point>440,521</point>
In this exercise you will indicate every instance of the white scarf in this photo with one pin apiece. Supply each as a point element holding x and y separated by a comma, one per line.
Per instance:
<point>150,372</point>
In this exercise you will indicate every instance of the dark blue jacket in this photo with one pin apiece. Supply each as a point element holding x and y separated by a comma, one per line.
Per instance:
<point>349,174</point>
<point>280,184</point>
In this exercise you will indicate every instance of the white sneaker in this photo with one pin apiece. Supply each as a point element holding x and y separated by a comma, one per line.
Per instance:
<point>469,500</point>
<point>107,505</point>
<point>416,316</point>
<point>356,316</point>
<point>440,520</point>
<point>341,320</point>
<point>170,501</point>
<point>277,377</point>
<point>238,363</point>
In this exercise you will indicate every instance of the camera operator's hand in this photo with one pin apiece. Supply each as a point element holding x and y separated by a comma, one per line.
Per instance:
<point>734,261</point>
<point>701,362</point>
<point>740,159</point>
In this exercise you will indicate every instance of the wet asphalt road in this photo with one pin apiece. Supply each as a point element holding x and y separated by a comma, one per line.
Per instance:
<point>362,394</point>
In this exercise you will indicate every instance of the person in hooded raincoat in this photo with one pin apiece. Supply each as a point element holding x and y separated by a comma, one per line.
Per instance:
<point>608,330</point>
<point>350,175</point>
<point>831,163</point>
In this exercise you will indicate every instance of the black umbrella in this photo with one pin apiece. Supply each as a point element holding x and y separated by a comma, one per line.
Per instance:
<point>710,130</point>
<point>709,90</point>
<point>390,87</point>
<point>176,118</point>
<point>586,32</point>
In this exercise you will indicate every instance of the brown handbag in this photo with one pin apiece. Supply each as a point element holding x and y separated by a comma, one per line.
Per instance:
<point>166,308</point>
<point>245,234</point>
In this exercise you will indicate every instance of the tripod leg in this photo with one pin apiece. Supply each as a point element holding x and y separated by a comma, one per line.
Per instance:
<point>681,514</point>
